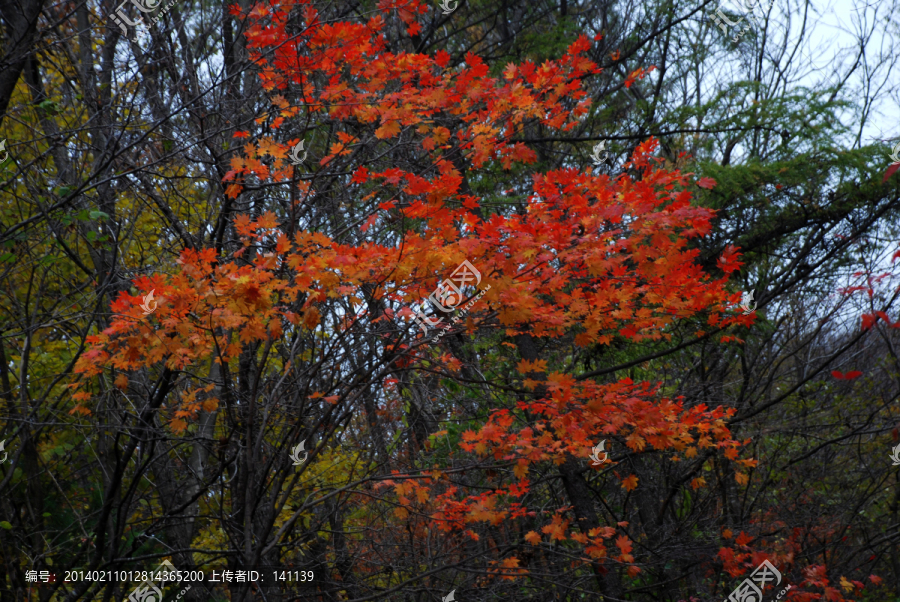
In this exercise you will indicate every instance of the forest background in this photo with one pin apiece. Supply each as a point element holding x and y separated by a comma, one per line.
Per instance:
<point>284,297</point>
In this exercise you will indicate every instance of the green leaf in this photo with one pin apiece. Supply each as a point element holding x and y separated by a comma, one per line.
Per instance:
<point>98,215</point>
<point>5,525</point>
<point>8,258</point>
<point>49,106</point>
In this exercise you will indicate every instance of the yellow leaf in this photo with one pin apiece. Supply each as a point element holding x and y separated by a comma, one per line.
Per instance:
<point>846,584</point>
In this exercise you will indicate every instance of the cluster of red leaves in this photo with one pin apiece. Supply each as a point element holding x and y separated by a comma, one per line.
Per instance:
<point>740,559</point>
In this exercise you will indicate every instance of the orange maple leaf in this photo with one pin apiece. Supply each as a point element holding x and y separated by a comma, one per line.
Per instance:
<point>389,129</point>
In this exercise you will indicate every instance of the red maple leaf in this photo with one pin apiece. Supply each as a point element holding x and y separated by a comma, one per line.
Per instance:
<point>849,376</point>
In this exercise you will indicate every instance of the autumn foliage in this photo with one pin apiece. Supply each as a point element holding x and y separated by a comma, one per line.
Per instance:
<point>589,258</point>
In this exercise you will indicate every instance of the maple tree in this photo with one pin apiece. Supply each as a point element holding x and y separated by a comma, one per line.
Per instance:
<point>591,257</point>
<point>287,315</point>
